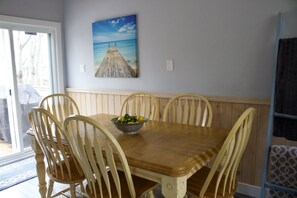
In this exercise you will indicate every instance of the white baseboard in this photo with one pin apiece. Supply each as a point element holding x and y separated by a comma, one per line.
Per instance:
<point>247,189</point>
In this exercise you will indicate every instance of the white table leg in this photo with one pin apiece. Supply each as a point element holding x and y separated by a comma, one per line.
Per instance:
<point>40,167</point>
<point>174,187</point>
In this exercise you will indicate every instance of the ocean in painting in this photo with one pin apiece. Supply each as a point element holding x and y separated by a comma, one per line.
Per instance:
<point>126,47</point>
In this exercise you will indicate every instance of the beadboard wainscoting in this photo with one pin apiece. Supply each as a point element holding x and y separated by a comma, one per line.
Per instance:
<point>226,111</point>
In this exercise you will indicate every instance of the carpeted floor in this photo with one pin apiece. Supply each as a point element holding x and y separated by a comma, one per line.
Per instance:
<point>17,172</point>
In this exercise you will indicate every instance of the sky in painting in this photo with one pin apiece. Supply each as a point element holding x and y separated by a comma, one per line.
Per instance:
<point>121,28</point>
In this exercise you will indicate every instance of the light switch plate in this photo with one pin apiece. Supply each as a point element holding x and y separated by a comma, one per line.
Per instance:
<point>169,65</point>
<point>82,68</point>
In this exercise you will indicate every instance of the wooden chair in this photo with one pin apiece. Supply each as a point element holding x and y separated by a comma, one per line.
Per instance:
<point>192,109</point>
<point>82,133</point>
<point>141,103</point>
<point>220,179</point>
<point>62,166</point>
<point>60,105</point>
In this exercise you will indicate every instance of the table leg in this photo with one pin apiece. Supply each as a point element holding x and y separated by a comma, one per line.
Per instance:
<point>40,167</point>
<point>174,187</point>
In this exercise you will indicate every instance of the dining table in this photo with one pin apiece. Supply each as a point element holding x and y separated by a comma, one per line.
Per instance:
<point>167,153</point>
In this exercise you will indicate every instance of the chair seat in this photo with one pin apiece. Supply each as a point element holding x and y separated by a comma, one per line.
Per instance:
<point>196,181</point>
<point>141,186</point>
<point>75,176</point>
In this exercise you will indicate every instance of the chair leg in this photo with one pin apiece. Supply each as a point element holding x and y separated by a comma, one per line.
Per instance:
<point>82,188</point>
<point>72,190</point>
<point>150,194</point>
<point>50,188</point>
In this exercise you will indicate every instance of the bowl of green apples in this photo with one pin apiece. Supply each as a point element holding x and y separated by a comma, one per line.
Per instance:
<point>129,124</point>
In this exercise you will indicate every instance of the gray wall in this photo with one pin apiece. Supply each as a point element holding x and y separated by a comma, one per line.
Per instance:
<point>50,10</point>
<point>219,47</point>
<point>222,48</point>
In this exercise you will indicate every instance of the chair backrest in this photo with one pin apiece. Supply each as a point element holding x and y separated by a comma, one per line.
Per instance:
<point>82,133</point>
<point>60,105</point>
<point>229,156</point>
<point>191,109</point>
<point>141,103</point>
<point>48,133</point>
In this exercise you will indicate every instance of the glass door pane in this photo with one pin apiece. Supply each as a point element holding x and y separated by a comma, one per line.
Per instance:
<point>8,143</point>
<point>33,73</point>
<point>25,62</point>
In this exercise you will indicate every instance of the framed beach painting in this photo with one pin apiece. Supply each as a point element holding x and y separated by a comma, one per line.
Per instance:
<point>115,47</point>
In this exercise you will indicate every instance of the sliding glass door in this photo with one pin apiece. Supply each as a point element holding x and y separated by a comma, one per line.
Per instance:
<point>6,121</point>
<point>33,73</point>
<point>28,62</point>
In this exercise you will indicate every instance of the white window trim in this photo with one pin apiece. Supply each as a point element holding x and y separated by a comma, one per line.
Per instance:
<point>48,27</point>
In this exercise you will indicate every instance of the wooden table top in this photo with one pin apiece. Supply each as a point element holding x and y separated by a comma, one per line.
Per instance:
<point>167,148</point>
